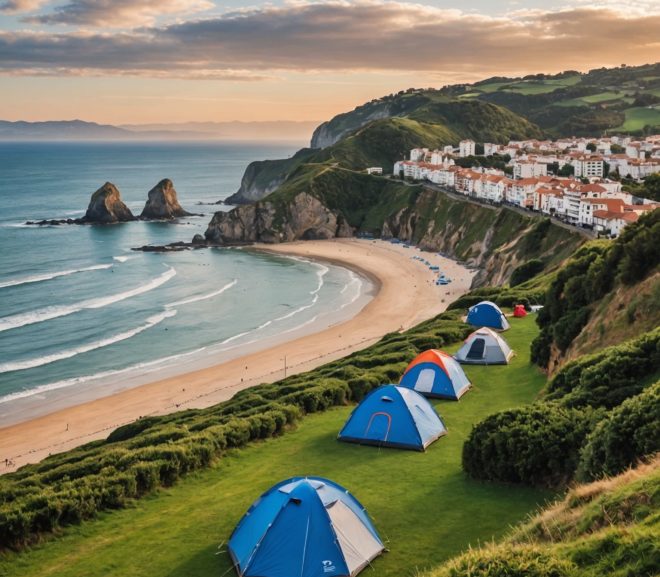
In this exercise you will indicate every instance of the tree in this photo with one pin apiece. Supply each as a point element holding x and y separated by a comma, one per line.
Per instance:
<point>591,147</point>
<point>566,170</point>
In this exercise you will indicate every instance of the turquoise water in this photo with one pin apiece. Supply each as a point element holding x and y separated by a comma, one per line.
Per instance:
<point>79,309</point>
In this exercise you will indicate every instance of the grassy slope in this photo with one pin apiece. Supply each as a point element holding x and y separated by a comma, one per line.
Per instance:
<point>609,527</point>
<point>421,502</point>
<point>638,118</point>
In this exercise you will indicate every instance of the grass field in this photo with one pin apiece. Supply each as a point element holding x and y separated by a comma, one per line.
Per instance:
<point>638,118</point>
<point>527,87</point>
<point>421,503</point>
<point>593,99</point>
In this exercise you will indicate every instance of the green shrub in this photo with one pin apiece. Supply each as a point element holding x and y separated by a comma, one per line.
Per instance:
<point>526,271</point>
<point>607,378</point>
<point>535,445</point>
<point>629,433</point>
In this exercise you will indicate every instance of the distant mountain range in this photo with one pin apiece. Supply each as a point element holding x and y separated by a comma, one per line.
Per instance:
<point>81,130</point>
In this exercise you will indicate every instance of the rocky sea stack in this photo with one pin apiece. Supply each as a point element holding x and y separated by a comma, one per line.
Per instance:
<point>106,206</point>
<point>162,203</point>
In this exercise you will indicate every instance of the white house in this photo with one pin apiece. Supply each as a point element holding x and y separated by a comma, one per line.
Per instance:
<point>529,169</point>
<point>466,148</point>
<point>490,148</point>
<point>589,166</point>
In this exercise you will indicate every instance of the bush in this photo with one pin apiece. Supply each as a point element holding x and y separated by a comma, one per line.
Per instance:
<point>607,378</point>
<point>630,432</point>
<point>526,271</point>
<point>535,445</point>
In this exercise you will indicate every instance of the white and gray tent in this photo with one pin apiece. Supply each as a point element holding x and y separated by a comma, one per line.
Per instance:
<point>484,347</point>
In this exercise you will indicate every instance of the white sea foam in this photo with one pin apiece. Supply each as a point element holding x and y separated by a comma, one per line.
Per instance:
<point>124,258</point>
<point>51,275</point>
<point>204,296</point>
<point>320,273</point>
<point>67,354</point>
<point>48,313</point>
<point>154,365</point>
<point>357,282</point>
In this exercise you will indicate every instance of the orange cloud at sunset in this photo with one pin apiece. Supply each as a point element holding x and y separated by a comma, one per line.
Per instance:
<point>302,52</point>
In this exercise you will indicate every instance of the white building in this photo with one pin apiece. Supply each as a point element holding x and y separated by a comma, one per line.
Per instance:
<point>490,148</point>
<point>466,148</point>
<point>529,169</point>
<point>589,167</point>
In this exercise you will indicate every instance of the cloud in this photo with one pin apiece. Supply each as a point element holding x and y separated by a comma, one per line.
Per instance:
<point>16,6</point>
<point>338,35</point>
<point>119,13</point>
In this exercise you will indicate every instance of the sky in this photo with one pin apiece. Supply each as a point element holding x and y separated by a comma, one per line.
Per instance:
<point>166,61</point>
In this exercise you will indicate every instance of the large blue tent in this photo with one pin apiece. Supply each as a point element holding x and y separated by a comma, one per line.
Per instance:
<point>392,416</point>
<point>307,527</point>
<point>487,314</point>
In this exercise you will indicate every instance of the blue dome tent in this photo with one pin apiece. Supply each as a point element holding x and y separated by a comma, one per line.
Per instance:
<point>392,416</point>
<point>435,373</point>
<point>487,314</point>
<point>307,527</point>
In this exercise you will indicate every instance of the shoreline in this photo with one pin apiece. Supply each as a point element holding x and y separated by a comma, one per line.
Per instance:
<point>405,295</point>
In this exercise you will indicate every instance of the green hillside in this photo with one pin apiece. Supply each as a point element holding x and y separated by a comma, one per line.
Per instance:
<point>609,527</point>
<point>421,120</point>
<point>422,511</point>
<point>566,104</point>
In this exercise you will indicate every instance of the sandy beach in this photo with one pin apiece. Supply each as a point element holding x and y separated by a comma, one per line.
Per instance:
<point>406,295</point>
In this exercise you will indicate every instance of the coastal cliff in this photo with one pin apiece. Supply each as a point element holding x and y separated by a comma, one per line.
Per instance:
<point>264,176</point>
<point>162,203</point>
<point>381,132</point>
<point>106,206</point>
<point>332,202</point>
<point>304,218</point>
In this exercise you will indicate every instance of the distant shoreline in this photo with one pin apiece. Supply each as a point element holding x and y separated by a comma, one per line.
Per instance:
<point>405,295</point>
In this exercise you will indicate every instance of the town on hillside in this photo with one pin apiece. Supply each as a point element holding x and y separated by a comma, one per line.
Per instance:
<point>576,180</point>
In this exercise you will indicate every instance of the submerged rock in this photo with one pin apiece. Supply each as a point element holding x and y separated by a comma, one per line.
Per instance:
<point>106,206</point>
<point>163,203</point>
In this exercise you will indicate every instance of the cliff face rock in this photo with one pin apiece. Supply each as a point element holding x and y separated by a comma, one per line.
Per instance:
<point>497,240</point>
<point>265,176</point>
<point>106,206</point>
<point>331,132</point>
<point>254,188</point>
<point>304,218</point>
<point>163,203</point>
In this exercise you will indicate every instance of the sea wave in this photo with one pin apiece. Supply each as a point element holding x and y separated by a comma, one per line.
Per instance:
<point>204,297</point>
<point>51,275</point>
<point>124,258</point>
<point>154,365</point>
<point>67,354</point>
<point>48,313</point>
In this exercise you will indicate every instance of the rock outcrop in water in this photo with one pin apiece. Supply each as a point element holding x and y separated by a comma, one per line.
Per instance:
<point>162,203</point>
<point>106,207</point>
<point>304,218</point>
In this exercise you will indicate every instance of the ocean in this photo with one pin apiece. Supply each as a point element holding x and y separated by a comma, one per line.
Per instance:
<point>81,313</point>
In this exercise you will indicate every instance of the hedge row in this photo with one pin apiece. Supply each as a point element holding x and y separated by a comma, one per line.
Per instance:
<point>630,433</point>
<point>535,445</point>
<point>608,377</point>
<point>547,443</point>
<point>152,452</point>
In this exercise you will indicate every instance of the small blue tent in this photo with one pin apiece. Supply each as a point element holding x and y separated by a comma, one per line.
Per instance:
<point>487,314</point>
<point>434,373</point>
<point>392,416</point>
<point>307,527</point>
